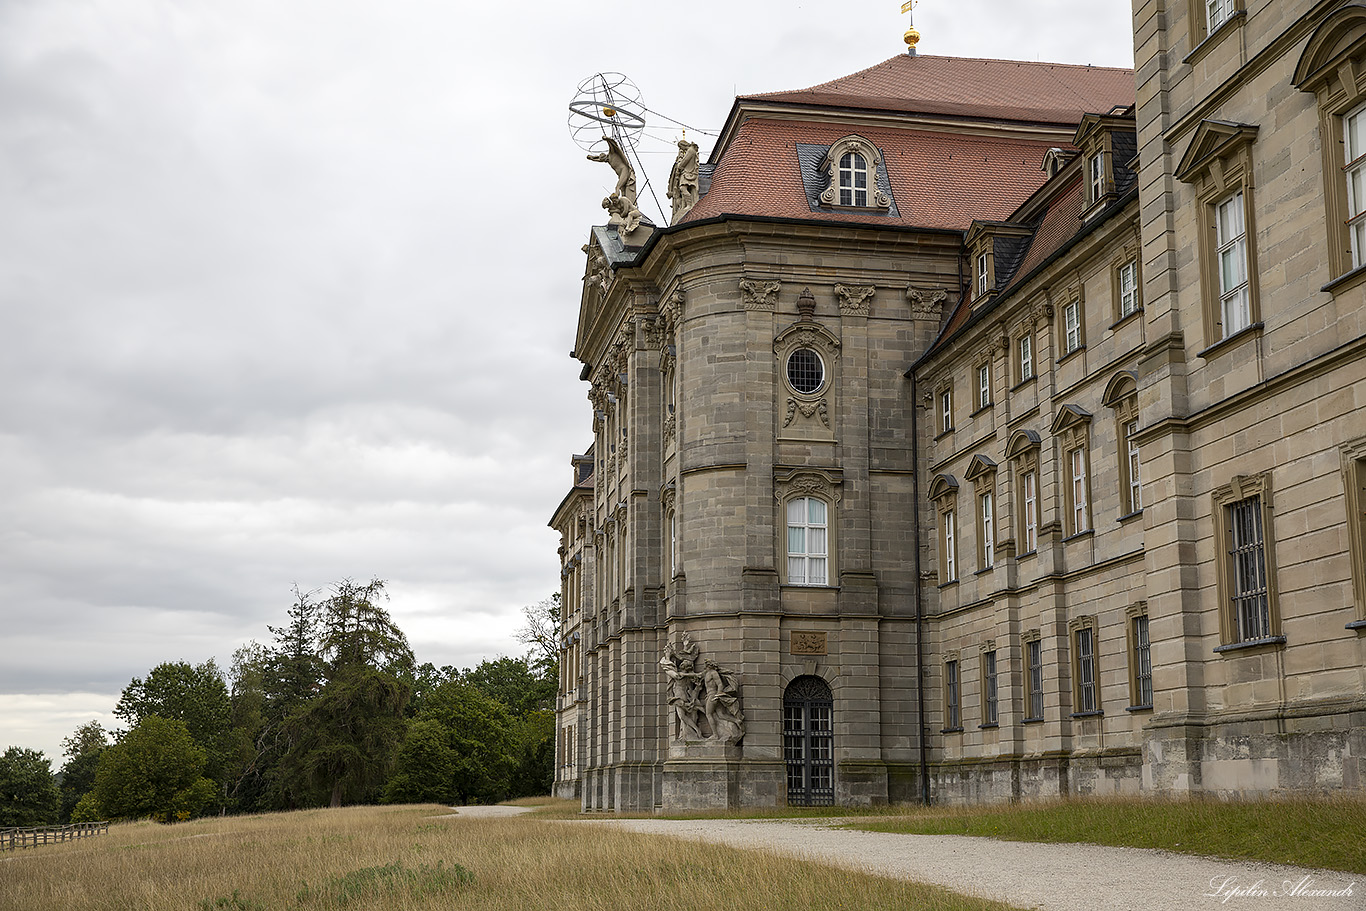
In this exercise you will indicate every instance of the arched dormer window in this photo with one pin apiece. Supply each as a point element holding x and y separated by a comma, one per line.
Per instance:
<point>851,166</point>
<point>853,179</point>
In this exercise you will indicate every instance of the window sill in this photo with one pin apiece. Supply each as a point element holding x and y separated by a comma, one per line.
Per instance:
<point>1096,714</point>
<point>1028,553</point>
<point>1124,319</point>
<point>944,585</point>
<point>951,730</point>
<point>943,433</point>
<point>1071,354</point>
<point>1346,280</point>
<point>1358,625</point>
<point>1031,721</point>
<point>986,407</point>
<point>1130,516</point>
<point>824,586</point>
<point>1265,642</point>
<point>987,727</point>
<point>984,570</point>
<point>1241,335</point>
<point>1080,534</point>
<point>1227,27</point>
<point>1139,708</point>
<point>1024,382</point>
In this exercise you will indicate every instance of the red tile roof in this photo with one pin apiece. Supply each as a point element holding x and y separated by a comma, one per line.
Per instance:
<point>938,179</point>
<point>969,87</point>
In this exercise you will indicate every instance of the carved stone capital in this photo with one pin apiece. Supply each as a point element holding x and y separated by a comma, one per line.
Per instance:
<point>853,299</point>
<point>926,303</point>
<point>758,295</point>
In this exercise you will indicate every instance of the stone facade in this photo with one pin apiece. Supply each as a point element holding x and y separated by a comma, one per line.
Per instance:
<point>1023,499</point>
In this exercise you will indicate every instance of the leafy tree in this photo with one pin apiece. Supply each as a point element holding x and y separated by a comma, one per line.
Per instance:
<point>28,789</point>
<point>193,694</point>
<point>534,772</point>
<point>155,770</point>
<point>459,749</point>
<point>514,683</point>
<point>245,762</point>
<point>341,742</point>
<point>82,751</point>
<point>542,633</point>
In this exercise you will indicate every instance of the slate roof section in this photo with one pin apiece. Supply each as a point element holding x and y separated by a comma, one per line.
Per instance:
<point>967,87</point>
<point>938,179</point>
<point>814,180</point>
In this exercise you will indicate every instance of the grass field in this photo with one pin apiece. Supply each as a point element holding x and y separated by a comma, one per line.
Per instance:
<point>413,858</point>
<point>1325,833</point>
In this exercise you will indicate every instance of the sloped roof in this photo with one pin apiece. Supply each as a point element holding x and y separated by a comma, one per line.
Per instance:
<point>938,179</point>
<point>971,87</point>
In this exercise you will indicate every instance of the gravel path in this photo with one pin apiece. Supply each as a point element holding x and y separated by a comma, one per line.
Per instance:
<point>1028,875</point>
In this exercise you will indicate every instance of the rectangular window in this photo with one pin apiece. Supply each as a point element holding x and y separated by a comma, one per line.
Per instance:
<point>989,710</point>
<point>1231,257</point>
<point>1026,357</point>
<point>1247,555</point>
<point>1096,170</point>
<point>1219,11</point>
<point>988,535</point>
<point>952,716</point>
<point>1085,644</point>
<point>1034,680</point>
<point>946,411</point>
<point>1029,493</point>
<point>1071,320</point>
<point>984,386</point>
<point>950,549</point>
<point>806,541</point>
<point>1080,520</point>
<point>1133,482</point>
<point>1128,288</point>
<point>981,274</point>
<point>1143,663</point>
<point>1354,152</point>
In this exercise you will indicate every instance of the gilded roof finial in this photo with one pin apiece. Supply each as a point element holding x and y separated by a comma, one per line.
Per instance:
<point>912,36</point>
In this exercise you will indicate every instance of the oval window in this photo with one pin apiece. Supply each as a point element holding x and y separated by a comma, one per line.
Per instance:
<point>805,372</point>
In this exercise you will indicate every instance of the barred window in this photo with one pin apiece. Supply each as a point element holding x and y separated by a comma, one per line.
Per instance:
<point>952,716</point>
<point>1085,643</point>
<point>1034,679</point>
<point>805,371</point>
<point>1247,552</point>
<point>1143,664</point>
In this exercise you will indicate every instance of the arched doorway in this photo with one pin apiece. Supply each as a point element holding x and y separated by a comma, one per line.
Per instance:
<point>808,746</point>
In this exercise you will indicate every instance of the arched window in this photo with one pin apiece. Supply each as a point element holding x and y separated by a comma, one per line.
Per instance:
<point>807,547</point>
<point>808,742</point>
<point>853,180</point>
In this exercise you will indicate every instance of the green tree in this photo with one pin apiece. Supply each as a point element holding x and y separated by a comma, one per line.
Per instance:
<point>341,742</point>
<point>541,631</point>
<point>28,789</point>
<point>82,751</point>
<point>515,683</point>
<point>459,749</point>
<point>155,770</point>
<point>193,694</point>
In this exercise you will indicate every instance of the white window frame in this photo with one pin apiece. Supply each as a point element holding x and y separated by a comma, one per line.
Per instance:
<point>1096,175</point>
<point>1026,353</point>
<point>946,410</point>
<point>1076,461</point>
<point>950,547</point>
<point>1217,12</point>
<point>1354,171</point>
<point>1235,302</point>
<point>1071,320</point>
<point>1128,289</point>
<point>982,276</point>
<point>808,553</point>
<point>1134,478</point>
<point>1029,483</point>
<point>986,512</point>
<point>852,167</point>
<point>984,386</point>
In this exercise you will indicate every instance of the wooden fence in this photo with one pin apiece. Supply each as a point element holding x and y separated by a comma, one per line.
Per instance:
<point>11,839</point>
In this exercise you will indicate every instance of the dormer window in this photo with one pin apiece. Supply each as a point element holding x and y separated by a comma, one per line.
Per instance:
<point>1095,169</point>
<point>983,280</point>
<point>851,169</point>
<point>853,180</point>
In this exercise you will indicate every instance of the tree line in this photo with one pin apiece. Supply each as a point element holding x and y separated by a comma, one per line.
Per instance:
<point>333,710</point>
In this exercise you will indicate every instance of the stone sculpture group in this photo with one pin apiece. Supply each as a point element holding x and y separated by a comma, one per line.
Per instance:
<point>706,702</point>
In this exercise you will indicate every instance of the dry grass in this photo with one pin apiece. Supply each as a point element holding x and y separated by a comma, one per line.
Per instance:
<point>1324,832</point>
<point>392,858</point>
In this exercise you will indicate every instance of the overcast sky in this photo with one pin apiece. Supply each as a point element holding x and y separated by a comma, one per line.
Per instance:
<point>288,289</point>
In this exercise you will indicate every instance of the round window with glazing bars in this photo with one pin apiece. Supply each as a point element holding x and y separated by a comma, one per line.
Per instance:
<point>805,371</point>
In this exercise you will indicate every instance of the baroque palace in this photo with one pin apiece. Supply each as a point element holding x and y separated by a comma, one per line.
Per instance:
<point>985,430</point>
